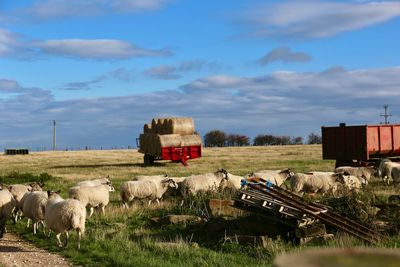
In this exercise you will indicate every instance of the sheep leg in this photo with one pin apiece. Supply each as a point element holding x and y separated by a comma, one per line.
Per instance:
<point>91,211</point>
<point>34,227</point>
<point>158,201</point>
<point>66,239</point>
<point>149,202</point>
<point>79,233</point>
<point>103,211</point>
<point>58,239</point>
<point>27,225</point>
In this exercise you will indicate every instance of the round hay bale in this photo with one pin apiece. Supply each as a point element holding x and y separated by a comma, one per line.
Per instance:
<point>147,128</point>
<point>154,122</point>
<point>349,257</point>
<point>183,126</point>
<point>168,140</point>
<point>191,140</point>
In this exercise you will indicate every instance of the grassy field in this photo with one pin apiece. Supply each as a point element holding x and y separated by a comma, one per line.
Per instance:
<point>127,238</point>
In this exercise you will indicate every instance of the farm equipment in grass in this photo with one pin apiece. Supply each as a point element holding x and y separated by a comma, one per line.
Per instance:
<point>169,139</point>
<point>361,145</point>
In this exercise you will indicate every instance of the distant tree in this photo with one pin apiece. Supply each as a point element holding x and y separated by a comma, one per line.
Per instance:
<point>238,140</point>
<point>215,138</point>
<point>314,138</point>
<point>297,140</point>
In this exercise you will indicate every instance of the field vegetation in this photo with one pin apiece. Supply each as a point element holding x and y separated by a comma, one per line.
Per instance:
<point>129,238</point>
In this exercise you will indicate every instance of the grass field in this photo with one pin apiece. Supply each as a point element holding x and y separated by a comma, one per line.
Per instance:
<point>126,237</point>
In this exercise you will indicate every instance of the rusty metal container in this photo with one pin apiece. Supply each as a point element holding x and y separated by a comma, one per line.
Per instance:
<point>360,142</point>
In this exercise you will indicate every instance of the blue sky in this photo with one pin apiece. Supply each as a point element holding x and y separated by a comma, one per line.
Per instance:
<point>102,69</point>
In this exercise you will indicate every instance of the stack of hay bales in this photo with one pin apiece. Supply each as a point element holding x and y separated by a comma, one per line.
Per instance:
<point>168,132</point>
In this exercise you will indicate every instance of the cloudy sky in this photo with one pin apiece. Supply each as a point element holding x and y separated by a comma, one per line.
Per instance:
<point>102,69</point>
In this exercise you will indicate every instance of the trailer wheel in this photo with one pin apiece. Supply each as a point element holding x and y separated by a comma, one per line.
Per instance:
<point>148,159</point>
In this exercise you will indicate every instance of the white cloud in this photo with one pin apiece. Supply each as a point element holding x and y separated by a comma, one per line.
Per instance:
<point>316,18</point>
<point>16,46</point>
<point>56,9</point>
<point>283,54</point>
<point>284,103</point>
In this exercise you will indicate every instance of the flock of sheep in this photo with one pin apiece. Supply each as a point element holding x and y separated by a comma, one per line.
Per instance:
<point>61,215</point>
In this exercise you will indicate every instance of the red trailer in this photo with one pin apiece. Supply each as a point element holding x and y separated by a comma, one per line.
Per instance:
<point>174,154</point>
<point>360,144</point>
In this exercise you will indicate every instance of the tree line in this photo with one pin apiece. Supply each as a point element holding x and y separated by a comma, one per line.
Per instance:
<point>218,138</point>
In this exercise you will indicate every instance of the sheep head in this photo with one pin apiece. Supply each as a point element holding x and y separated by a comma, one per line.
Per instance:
<point>223,172</point>
<point>170,183</point>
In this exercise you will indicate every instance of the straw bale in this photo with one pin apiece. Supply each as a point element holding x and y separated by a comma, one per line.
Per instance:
<point>191,140</point>
<point>183,126</point>
<point>147,128</point>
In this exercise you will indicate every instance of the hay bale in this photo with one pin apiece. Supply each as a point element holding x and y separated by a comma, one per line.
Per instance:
<point>147,128</point>
<point>183,126</point>
<point>191,140</point>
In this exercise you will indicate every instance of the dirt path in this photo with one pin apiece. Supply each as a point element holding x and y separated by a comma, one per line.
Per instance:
<point>15,252</point>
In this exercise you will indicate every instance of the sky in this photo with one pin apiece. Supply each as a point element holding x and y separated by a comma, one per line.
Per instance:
<point>102,69</point>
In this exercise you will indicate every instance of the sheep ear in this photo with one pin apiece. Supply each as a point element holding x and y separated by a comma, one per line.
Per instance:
<point>41,184</point>
<point>48,193</point>
<point>59,191</point>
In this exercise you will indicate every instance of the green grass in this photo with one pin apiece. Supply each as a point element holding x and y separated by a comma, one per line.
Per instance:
<point>128,238</point>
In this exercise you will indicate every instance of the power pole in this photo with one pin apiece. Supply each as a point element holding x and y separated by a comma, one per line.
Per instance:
<point>54,135</point>
<point>386,115</point>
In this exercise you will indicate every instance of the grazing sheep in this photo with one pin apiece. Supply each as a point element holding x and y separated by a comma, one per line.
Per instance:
<point>34,207</point>
<point>202,182</point>
<point>318,182</point>
<point>351,182</point>
<point>95,182</point>
<point>360,172</point>
<point>92,196</point>
<point>7,205</point>
<point>171,191</point>
<point>385,170</point>
<point>277,177</point>
<point>396,174</point>
<point>150,177</point>
<point>64,215</point>
<point>145,189</point>
<point>18,191</point>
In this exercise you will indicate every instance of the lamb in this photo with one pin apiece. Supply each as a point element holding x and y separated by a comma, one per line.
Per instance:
<point>360,172</point>
<point>318,182</point>
<point>276,177</point>
<point>18,191</point>
<point>92,196</point>
<point>63,215</point>
<point>95,182</point>
<point>202,182</point>
<point>7,205</point>
<point>34,207</point>
<point>145,189</point>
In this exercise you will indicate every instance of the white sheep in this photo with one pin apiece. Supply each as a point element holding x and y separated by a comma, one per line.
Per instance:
<point>360,172</point>
<point>145,190</point>
<point>34,208</point>
<point>64,215</point>
<point>385,170</point>
<point>150,177</point>
<point>202,182</point>
<point>351,182</point>
<point>95,182</point>
<point>231,181</point>
<point>7,205</point>
<point>318,182</point>
<point>276,177</point>
<point>18,191</point>
<point>92,196</point>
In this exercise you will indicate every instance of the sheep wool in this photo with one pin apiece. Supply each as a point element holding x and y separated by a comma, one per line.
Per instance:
<point>7,205</point>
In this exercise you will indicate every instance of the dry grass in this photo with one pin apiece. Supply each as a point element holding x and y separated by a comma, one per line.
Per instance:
<point>125,164</point>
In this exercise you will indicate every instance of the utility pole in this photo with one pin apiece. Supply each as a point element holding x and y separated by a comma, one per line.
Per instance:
<point>54,135</point>
<point>386,115</point>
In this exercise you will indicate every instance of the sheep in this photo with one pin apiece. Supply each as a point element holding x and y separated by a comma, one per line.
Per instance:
<point>150,177</point>
<point>34,207</point>
<point>95,182</point>
<point>171,191</point>
<point>7,205</point>
<point>360,172</point>
<point>351,182</point>
<point>385,169</point>
<point>63,215</point>
<point>317,182</point>
<point>202,182</point>
<point>145,189</point>
<point>276,177</point>
<point>92,196</point>
<point>396,174</point>
<point>18,191</point>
